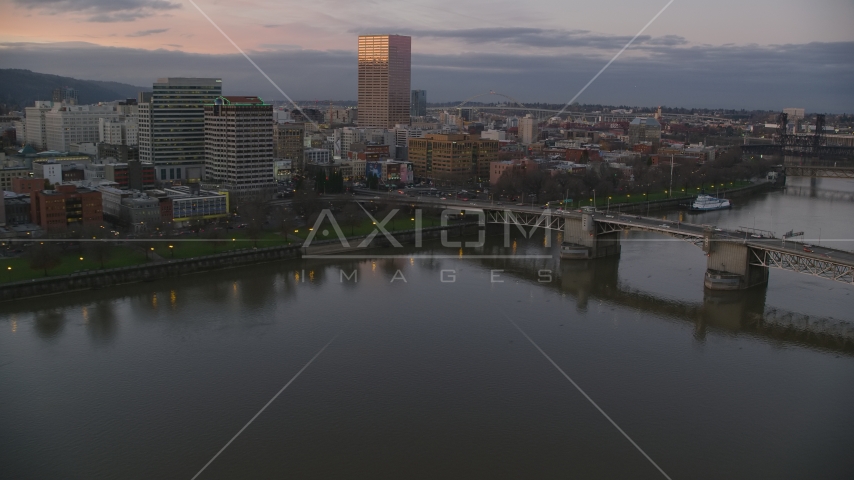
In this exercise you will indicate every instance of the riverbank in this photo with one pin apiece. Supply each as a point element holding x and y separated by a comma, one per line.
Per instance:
<point>103,278</point>
<point>641,206</point>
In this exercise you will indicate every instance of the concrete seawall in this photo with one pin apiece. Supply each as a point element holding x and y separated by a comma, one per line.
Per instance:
<point>173,268</point>
<point>143,273</point>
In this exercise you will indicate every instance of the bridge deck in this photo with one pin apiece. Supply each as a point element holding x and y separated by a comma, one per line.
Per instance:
<point>636,222</point>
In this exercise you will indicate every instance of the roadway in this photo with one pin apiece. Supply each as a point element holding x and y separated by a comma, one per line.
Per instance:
<point>635,222</point>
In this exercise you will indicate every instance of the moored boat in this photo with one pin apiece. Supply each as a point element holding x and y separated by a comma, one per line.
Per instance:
<point>705,203</point>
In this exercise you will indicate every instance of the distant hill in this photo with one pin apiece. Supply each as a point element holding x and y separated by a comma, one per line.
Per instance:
<point>20,88</point>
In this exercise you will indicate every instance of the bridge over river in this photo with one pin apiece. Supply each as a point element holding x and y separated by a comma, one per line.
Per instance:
<point>737,259</point>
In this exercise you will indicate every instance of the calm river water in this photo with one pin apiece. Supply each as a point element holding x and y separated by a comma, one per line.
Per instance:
<point>428,378</point>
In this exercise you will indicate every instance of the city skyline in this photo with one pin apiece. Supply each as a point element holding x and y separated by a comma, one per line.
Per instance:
<point>725,61</point>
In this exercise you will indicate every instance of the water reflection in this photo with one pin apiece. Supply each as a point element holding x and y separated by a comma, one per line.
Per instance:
<point>742,311</point>
<point>49,324</point>
<point>102,324</point>
<point>255,291</point>
<point>254,287</point>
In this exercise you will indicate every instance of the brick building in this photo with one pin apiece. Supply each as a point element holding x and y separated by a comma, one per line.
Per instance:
<point>438,155</point>
<point>26,185</point>
<point>66,206</point>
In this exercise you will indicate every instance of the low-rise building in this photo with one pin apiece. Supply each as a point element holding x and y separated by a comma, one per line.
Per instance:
<point>391,171</point>
<point>282,169</point>
<point>111,202</point>
<point>51,171</point>
<point>132,175</point>
<point>16,208</point>
<point>140,212</point>
<point>317,156</point>
<point>191,201</point>
<point>644,129</point>
<point>7,174</point>
<point>66,206</point>
<point>497,169</point>
<point>27,185</point>
<point>440,155</point>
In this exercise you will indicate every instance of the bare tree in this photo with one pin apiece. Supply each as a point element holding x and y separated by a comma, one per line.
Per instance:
<point>279,221</point>
<point>306,202</point>
<point>215,236</point>
<point>98,245</point>
<point>253,212</point>
<point>44,256</point>
<point>351,216</point>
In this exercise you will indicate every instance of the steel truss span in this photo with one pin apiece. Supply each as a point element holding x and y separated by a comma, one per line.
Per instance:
<point>816,267</point>
<point>549,222</point>
<point>825,172</point>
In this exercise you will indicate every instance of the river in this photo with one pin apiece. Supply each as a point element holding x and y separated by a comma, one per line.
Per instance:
<point>428,376</point>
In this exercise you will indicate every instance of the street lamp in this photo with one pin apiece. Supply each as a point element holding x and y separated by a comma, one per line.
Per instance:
<point>172,250</point>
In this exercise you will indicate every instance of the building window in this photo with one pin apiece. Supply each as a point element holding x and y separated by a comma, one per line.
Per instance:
<point>171,174</point>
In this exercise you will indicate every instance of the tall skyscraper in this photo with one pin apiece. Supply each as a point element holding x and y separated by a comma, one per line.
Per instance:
<point>239,144</point>
<point>418,103</point>
<point>384,80</point>
<point>172,126</point>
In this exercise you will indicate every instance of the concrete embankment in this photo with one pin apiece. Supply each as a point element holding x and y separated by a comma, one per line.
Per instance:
<point>173,268</point>
<point>143,273</point>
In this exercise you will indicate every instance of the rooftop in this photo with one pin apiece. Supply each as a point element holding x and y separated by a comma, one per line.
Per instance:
<point>648,121</point>
<point>238,100</point>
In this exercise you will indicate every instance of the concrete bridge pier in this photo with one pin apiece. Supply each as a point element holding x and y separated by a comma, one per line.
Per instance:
<point>585,238</point>
<point>729,267</point>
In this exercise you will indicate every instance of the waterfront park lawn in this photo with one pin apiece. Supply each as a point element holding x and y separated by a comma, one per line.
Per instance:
<point>18,268</point>
<point>616,199</point>
<point>139,253</point>
<point>400,222</point>
<point>189,246</point>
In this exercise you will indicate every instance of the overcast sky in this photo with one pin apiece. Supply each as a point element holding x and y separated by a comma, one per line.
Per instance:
<point>730,54</point>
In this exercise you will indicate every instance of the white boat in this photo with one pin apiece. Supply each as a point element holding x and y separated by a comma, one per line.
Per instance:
<point>705,203</point>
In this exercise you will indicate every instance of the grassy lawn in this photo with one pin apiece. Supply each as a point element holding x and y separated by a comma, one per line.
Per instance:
<point>367,226</point>
<point>18,269</point>
<point>189,246</point>
<point>662,195</point>
<point>121,256</point>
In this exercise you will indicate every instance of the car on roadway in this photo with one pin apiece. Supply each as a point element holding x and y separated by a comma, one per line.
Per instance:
<point>609,216</point>
<point>664,225</point>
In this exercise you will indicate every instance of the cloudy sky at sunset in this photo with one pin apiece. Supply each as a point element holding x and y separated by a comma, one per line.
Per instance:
<point>726,53</point>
